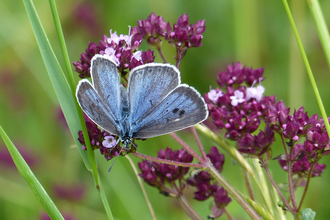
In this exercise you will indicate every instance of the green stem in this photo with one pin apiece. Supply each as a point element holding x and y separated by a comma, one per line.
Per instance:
<point>69,76</point>
<point>105,201</point>
<point>152,212</point>
<point>248,184</point>
<point>321,27</point>
<point>232,191</point>
<point>276,187</point>
<point>308,68</point>
<point>72,87</point>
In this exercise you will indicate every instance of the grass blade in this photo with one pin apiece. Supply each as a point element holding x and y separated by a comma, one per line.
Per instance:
<point>30,178</point>
<point>60,84</point>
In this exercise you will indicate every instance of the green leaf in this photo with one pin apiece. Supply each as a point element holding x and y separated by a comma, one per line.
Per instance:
<point>33,182</point>
<point>307,214</point>
<point>60,84</point>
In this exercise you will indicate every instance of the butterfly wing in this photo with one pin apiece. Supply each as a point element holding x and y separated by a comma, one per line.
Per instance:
<point>148,85</point>
<point>106,82</point>
<point>181,108</point>
<point>91,103</point>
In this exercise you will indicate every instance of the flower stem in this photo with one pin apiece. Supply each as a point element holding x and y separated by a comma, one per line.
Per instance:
<point>170,162</point>
<point>228,215</point>
<point>232,191</point>
<point>248,184</point>
<point>187,148</point>
<point>290,180</point>
<point>307,184</point>
<point>161,55</point>
<point>199,143</point>
<point>275,186</point>
<point>152,212</point>
<point>187,208</point>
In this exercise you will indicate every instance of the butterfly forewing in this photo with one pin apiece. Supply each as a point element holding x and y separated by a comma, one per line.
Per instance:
<point>106,82</point>
<point>148,85</point>
<point>182,108</point>
<point>93,106</point>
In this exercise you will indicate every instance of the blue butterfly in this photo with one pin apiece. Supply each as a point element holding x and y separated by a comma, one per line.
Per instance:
<point>154,104</point>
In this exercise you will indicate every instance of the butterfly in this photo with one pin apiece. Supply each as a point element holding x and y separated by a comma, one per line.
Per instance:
<point>154,103</point>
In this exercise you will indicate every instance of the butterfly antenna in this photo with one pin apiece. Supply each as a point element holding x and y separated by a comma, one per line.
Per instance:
<point>115,160</point>
<point>142,155</point>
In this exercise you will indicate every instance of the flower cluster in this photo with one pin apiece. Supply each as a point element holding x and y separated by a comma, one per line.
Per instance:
<point>237,105</point>
<point>100,140</point>
<point>121,49</point>
<point>160,174</point>
<point>206,187</point>
<point>301,165</point>
<point>298,127</point>
<point>256,145</point>
<point>182,36</point>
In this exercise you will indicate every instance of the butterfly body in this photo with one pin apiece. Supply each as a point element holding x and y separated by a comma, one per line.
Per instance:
<point>154,103</point>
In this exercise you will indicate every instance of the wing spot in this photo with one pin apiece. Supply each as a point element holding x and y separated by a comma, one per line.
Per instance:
<point>108,97</point>
<point>175,110</point>
<point>181,113</point>
<point>150,102</point>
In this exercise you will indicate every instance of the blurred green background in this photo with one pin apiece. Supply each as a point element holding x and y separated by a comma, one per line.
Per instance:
<point>256,33</point>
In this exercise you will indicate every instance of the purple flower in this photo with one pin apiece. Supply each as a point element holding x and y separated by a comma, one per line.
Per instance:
<point>258,144</point>
<point>185,35</point>
<point>83,67</point>
<point>301,165</point>
<point>122,49</point>
<point>95,134</point>
<point>221,200</point>
<point>240,108</point>
<point>160,173</point>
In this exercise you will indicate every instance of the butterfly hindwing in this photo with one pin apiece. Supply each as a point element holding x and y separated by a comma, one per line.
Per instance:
<point>148,85</point>
<point>93,106</point>
<point>181,108</point>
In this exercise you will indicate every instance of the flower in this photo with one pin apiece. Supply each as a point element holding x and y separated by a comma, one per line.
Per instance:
<point>109,142</point>
<point>257,144</point>
<point>238,97</point>
<point>255,93</point>
<point>122,49</point>
<point>161,173</point>
<point>214,94</point>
